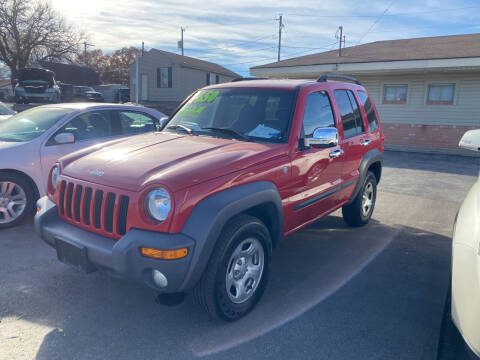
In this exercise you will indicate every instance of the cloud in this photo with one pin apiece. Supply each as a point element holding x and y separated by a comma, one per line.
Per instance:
<point>244,33</point>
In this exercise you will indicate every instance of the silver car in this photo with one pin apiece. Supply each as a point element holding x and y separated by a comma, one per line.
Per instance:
<point>33,140</point>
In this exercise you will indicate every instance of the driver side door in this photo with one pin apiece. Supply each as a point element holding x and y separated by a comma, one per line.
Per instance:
<point>88,129</point>
<point>316,170</point>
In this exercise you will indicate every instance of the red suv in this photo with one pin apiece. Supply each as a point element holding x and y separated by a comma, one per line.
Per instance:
<point>200,205</point>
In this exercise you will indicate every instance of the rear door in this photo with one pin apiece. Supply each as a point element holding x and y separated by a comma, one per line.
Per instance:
<point>354,136</point>
<point>374,133</point>
<point>316,174</point>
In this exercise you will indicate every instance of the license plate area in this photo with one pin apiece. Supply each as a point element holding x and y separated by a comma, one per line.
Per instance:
<point>74,255</point>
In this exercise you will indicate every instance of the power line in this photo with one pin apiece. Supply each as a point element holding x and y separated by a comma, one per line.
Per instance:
<point>375,22</point>
<point>373,16</point>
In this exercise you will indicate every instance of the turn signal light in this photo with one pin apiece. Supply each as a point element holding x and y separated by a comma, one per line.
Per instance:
<point>164,254</point>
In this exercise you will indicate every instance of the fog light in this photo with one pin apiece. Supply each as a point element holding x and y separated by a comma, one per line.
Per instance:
<point>159,279</point>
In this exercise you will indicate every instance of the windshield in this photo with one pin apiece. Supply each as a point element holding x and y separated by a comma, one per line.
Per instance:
<point>243,113</point>
<point>30,124</point>
<point>5,110</point>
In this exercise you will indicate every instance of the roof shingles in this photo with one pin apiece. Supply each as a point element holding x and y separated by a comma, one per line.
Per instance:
<point>426,48</point>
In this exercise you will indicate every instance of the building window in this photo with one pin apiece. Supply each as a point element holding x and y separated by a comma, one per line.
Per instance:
<point>395,94</point>
<point>217,79</point>
<point>164,77</point>
<point>441,94</point>
<point>211,79</point>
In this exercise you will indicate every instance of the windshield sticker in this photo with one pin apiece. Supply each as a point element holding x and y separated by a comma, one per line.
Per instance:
<point>191,110</point>
<point>206,97</point>
<point>195,108</point>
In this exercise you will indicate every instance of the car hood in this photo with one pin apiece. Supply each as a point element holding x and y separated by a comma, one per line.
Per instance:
<point>7,145</point>
<point>173,160</point>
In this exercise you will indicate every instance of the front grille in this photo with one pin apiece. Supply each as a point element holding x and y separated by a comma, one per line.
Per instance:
<point>102,211</point>
<point>35,89</point>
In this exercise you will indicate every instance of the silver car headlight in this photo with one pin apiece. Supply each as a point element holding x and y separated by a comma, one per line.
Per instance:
<point>54,178</point>
<point>158,204</point>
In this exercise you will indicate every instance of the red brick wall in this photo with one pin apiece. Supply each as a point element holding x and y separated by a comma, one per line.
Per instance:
<point>435,136</point>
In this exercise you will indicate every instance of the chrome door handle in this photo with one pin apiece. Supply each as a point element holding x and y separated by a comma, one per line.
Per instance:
<point>336,153</point>
<point>366,142</point>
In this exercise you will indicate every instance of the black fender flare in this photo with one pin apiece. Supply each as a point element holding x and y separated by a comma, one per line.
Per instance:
<point>210,215</point>
<point>368,159</point>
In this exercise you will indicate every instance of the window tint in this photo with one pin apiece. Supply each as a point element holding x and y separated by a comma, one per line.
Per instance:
<point>369,110</point>
<point>356,113</point>
<point>136,123</point>
<point>441,94</point>
<point>88,126</point>
<point>395,94</point>
<point>318,113</point>
<point>346,112</point>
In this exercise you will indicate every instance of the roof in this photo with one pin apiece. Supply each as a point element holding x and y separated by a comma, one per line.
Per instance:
<point>72,74</point>
<point>195,63</point>
<point>285,84</point>
<point>426,48</point>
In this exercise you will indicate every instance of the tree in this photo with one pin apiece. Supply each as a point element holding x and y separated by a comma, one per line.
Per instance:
<point>32,31</point>
<point>113,68</point>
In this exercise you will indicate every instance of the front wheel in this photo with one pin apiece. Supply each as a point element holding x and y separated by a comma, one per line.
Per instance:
<point>17,200</point>
<point>360,211</point>
<point>237,272</point>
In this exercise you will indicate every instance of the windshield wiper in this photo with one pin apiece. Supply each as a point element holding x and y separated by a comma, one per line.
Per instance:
<point>228,132</point>
<point>183,127</point>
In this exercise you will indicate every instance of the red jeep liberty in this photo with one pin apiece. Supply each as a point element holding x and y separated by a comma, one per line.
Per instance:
<point>200,205</point>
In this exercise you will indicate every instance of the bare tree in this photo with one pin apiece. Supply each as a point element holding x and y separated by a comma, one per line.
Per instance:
<point>31,31</point>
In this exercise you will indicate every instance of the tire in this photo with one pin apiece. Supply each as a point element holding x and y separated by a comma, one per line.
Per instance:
<point>359,213</point>
<point>15,188</point>
<point>244,234</point>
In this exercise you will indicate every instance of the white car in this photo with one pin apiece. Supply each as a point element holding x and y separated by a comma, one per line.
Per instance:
<point>466,259</point>
<point>33,140</point>
<point>5,112</point>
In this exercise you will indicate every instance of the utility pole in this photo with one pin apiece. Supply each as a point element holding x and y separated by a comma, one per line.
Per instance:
<point>280,27</point>
<point>180,43</point>
<point>85,44</point>
<point>143,48</point>
<point>340,40</point>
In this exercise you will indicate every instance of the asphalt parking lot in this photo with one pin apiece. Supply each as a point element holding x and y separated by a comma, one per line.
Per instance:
<point>376,292</point>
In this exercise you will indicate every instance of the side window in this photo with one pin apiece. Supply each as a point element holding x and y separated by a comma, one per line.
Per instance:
<point>89,126</point>
<point>356,112</point>
<point>318,113</point>
<point>136,123</point>
<point>369,110</point>
<point>346,113</point>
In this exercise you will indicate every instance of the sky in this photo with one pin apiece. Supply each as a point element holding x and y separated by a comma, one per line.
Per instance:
<point>244,33</point>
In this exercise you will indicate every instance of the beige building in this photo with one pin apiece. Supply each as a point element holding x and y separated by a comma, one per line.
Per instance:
<point>166,78</point>
<point>427,90</point>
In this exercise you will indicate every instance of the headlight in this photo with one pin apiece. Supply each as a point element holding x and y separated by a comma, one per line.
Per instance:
<point>19,89</point>
<point>54,178</point>
<point>158,204</point>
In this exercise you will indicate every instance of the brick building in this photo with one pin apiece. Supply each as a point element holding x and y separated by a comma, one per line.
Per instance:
<point>427,90</point>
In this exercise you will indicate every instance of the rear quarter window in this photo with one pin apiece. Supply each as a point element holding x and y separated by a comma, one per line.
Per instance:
<point>369,110</point>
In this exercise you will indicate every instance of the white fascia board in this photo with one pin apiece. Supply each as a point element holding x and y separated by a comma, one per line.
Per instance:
<point>458,64</point>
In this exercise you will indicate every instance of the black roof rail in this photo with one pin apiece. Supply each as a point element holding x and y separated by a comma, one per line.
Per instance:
<point>248,78</point>
<point>325,78</point>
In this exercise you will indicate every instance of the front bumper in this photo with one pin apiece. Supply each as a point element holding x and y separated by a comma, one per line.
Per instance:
<point>120,258</point>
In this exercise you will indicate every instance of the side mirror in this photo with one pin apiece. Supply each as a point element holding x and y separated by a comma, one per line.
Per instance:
<point>162,122</point>
<point>65,138</point>
<point>471,140</point>
<point>326,137</point>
